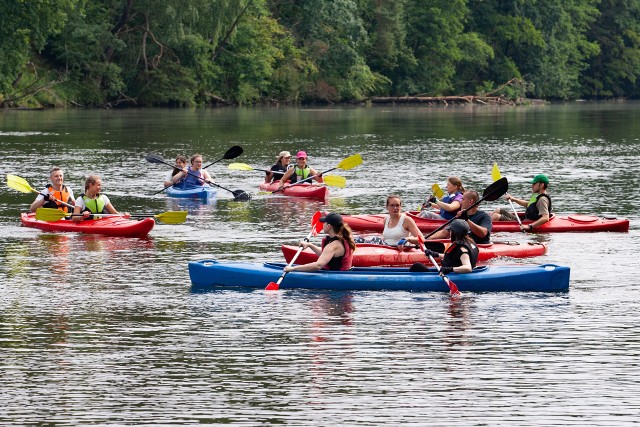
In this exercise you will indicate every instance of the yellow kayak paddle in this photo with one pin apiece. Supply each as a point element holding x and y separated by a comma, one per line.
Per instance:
<point>169,217</point>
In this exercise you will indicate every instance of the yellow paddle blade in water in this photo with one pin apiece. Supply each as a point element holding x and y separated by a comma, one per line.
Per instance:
<point>437,191</point>
<point>495,172</point>
<point>350,162</point>
<point>335,181</point>
<point>172,217</point>
<point>19,184</point>
<point>169,217</point>
<point>240,167</point>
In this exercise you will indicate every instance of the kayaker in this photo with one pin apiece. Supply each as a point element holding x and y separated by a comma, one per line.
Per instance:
<point>538,206</point>
<point>192,177</point>
<point>479,222</point>
<point>54,193</point>
<point>399,229</point>
<point>93,202</point>
<point>337,248</point>
<point>281,166</point>
<point>181,164</point>
<point>460,257</point>
<point>449,205</point>
<point>301,171</point>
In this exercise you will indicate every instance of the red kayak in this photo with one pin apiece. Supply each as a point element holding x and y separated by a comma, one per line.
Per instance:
<point>556,224</point>
<point>371,255</point>
<point>301,190</point>
<point>109,226</point>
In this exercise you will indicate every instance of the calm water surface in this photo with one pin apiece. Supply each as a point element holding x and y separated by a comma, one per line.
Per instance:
<point>105,331</point>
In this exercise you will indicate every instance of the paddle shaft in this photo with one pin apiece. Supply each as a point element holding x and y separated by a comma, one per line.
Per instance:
<point>453,289</point>
<point>513,208</point>
<point>56,200</point>
<point>295,257</point>
<point>306,180</point>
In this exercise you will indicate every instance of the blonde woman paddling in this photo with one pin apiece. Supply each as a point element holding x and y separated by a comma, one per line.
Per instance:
<point>93,202</point>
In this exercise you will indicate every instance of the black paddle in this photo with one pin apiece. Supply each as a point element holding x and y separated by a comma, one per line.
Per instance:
<point>231,153</point>
<point>237,194</point>
<point>491,193</point>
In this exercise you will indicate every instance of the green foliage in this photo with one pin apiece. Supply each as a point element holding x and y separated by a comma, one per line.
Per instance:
<point>24,29</point>
<point>185,52</point>
<point>435,31</point>
<point>615,70</point>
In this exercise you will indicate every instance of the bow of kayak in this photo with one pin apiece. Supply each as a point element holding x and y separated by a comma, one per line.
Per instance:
<point>205,192</point>
<point>109,226</point>
<point>209,274</point>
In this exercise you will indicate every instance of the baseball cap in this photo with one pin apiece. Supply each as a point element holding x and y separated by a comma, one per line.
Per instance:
<point>301,154</point>
<point>540,178</point>
<point>333,218</point>
<point>284,154</point>
<point>459,226</point>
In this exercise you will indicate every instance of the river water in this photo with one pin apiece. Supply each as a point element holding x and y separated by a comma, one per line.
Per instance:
<point>106,331</point>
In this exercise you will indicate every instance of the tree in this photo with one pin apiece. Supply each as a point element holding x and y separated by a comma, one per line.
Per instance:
<point>24,29</point>
<point>616,68</point>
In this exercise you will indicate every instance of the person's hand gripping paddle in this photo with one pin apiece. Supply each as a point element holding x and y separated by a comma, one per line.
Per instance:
<point>316,227</point>
<point>453,288</point>
<point>496,175</point>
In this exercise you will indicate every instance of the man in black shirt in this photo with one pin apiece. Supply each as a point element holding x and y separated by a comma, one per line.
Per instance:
<point>479,221</point>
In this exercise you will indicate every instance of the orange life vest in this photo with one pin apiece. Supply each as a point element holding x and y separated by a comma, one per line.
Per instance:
<point>63,195</point>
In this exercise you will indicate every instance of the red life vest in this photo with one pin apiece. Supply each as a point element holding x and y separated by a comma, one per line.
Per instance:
<point>341,263</point>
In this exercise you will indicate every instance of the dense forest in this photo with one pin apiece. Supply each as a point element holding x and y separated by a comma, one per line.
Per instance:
<point>115,53</point>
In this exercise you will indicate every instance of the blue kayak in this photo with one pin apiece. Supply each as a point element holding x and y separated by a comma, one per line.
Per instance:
<point>205,192</point>
<point>208,274</point>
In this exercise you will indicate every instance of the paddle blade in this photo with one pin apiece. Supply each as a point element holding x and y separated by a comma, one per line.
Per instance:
<point>335,181</point>
<point>437,191</point>
<point>241,196</point>
<point>434,246</point>
<point>233,152</point>
<point>453,288</point>
<point>19,184</point>
<point>495,190</point>
<point>155,158</point>
<point>316,225</point>
<point>272,286</point>
<point>350,162</point>
<point>240,167</point>
<point>172,217</point>
<point>495,172</point>
<point>49,215</point>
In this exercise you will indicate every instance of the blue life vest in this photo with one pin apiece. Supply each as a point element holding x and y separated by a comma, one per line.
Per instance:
<point>448,199</point>
<point>190,181</point>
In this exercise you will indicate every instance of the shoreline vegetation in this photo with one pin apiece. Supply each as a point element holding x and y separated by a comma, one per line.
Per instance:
<point>184,53</point>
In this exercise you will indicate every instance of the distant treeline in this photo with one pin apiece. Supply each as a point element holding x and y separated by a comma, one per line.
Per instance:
<point>111,53</point>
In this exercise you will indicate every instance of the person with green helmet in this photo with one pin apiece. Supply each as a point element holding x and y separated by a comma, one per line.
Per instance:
<point>538,206</point>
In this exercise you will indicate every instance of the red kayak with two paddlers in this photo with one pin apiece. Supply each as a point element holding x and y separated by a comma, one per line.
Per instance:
<point>373,255</point>
<point>556,224</point>
<point>117,226</point>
